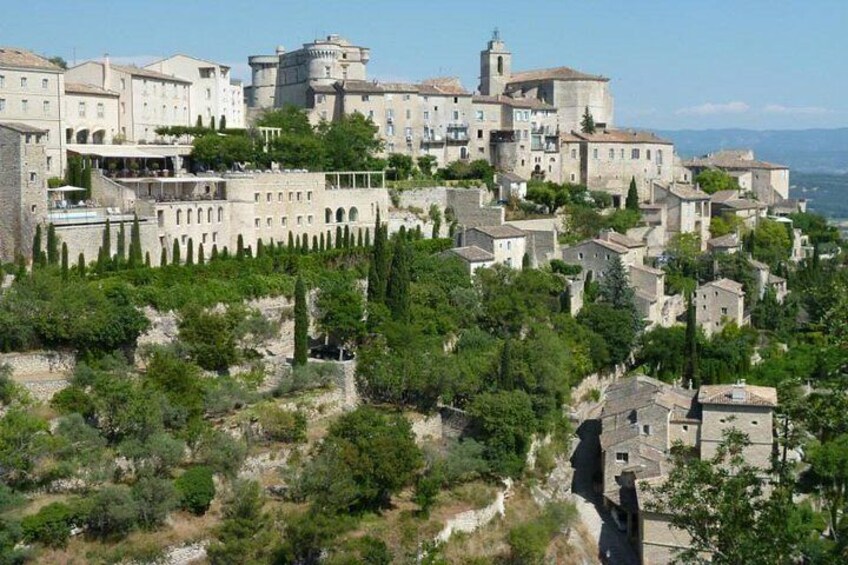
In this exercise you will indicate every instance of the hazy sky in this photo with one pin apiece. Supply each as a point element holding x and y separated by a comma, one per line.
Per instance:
<point>674,64</point>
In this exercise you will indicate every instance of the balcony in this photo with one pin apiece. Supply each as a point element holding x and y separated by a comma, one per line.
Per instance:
<point>503,136</point>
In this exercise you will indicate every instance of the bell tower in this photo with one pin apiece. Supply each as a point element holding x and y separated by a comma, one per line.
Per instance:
<point>495,66</point>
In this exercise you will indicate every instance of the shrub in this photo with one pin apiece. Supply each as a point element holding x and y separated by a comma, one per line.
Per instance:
<point>51,526</point>
<point>221,452</point>
<point>529,541</point>
<point>113,512</point>
<point>282,425</point>
<point>196,489</point>
<point>155,498</point>
<point>73,400</point>
<point>308,377</point>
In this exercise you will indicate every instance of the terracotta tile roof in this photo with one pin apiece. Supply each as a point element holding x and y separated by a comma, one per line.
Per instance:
<point>23,59</point>
<point>140,72</point>
<point>22,128</point>
<point>740,394</point>
<point>511,177</point>
<point>360,86</point>
<point>323,88</point>
<point>724,195</point>
<point>80,88</point>
<point>528,103</point>
<point>446,85</point>
<point>473,254</point>
<point>555,73</point>
<point>730,161</point>
<point>612,246</point>
<point>743,204</point>
<point>621,136</point>
<point>684,192</point>
<point>647,269</point>
<point>622,240</point>
<point>504,231</point>
<point>726,284</point>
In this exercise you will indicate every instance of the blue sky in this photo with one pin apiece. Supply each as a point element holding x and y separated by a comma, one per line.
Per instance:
<point>678,64</point>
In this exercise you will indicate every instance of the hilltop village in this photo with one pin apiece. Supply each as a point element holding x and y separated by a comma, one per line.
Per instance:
<point>322,318</point>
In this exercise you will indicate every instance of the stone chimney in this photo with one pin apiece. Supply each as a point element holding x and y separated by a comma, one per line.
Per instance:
<point>107,72</point>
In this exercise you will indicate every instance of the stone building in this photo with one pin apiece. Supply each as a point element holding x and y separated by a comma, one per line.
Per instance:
<point>687,210</point>
<point>609,159</point>
<point>147,99</point>
<point>91,114</point>
<point>718,303</point>
<point>643,418</point>
<point>506,243</point>
<point>23,187</point>
<point>214,94</point>
<point>31,93</point>
<point>729,203</point>
<point>768,182</point>
<point>473,257</point>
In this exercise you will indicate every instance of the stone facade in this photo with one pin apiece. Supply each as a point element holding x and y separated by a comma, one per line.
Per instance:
<point>91,114</point>
<point>687,210</point>
<point>718,303</point>
<point>506,243</point>
<point>769,182</point>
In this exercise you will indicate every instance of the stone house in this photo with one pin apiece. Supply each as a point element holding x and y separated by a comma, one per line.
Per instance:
<point>91,114</point>
<point>687,209</point>
<point>728,203</point>
<point>542,238</point>
<point>718,303</point>
<point>595,255</point>
<point>766,280</point>
<point>728,243</point>
<point>473,257</point>
<point>506,243</point>
<point>509,185</point>
<point>768,182</point>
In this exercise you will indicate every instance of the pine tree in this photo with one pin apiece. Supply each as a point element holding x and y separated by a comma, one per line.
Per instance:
<point>240,247</point>
<point>301,323</point>
<point>190,252</point>
<point>587,122</point>
<point>632,202</point>
<point>52,245</point>
<point>81,265</point>
<point>397,289</point>
<point>122,240</point>
<point>175,252</point>
<point>163,258</point>
<point>615,290</point>
<point>200,258</point>
<point>691,378</point>
<point>64,261</point>
<point>36,247</point>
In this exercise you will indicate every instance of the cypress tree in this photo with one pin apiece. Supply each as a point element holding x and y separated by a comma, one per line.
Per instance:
<point>100,266</point>
<point>340,243</point>
<point>304,244</point>
<point>214,252</point>
<point>52,245</point>
<point>64,261</point>
<point>367,237</point>
<point>301,323</point>
<point>85,180</point>
<point>200,258</point>
<point>190,252</point>
<point>359,241</point>
<point>291,242</point>
<point>163,257</point>
<point>240,247</point>
<point>122,241</point>
<point>135,244</point>
<point>632,202</point>
<point>565,300</point>
<point>21,271</point>
<point>223,125</point>
<point>260,249</point>
<point>329,239</point>
<point>199,123</point>
<point>147,259</point>
<point>437,227</point>
<point>321,242</point>
<point>418,232</point>
<point>175,252</point>
<point>36,246</point>
<point>211,122</point>
<point>314,243</point>
<point>525,261</point>
<point>346,237</point>
<point>81,265</point>
<point>397,289</point>
<point>107,243</point>
<point>505,375</point>
<point>691,378</point>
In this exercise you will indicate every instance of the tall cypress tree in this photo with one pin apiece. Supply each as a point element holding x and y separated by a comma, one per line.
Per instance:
<point>691,378</point>
<point>200,258</point>
<point>260,248</point>
<point>376,282</point>
<point>85,180</point>
<point>175,252</point>
<point>122,242</point>
<point>190,252</point>
<point>301,323</point>
<point>632,202</point>
<point>107,243</point>
<point>214,252</point>
<point>52,245</point>
<point>37,253</point>
<point>135,244</point>
<point>397,289</point>
<point>367,237</point>
<point>81,265</point>
<point>359,240</point>
<point>340,243</point>
<point>290,244</point>
<point>346,237</point>
<point>147,259</point>
<point>240,247</point>
<point>304,244</point>
<point>321,242</point>
<point>64,261</point>
<point>163,257</point>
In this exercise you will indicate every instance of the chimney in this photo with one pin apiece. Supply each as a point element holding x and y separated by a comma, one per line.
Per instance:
<point>107,72</point>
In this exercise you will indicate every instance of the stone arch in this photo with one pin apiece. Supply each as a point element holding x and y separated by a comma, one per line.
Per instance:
<point>188,217</point>
<point>209,216</point>
<point>179,217</point>
<point>200,215</point>
<point>340,216</point>
<point>353,214</point>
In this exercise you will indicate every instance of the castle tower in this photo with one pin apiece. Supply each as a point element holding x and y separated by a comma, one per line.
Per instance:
<point>495,66</point>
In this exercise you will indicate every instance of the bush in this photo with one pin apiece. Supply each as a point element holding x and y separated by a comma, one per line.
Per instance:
<point>155,498</point>
<point>282,425</point>
<point>529,542</point>
<point>73,400</point>
<point>221,452</point>
<point>113,512</point>
<point>51,526</point>
<point>308,377</point>
<point>196,489</point>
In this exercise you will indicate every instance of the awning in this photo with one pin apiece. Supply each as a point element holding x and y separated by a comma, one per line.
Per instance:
<point>116,151</point>
<point>67,189</point>
<point>168,180</point>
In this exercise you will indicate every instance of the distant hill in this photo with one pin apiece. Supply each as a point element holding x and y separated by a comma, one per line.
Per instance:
<point>809,150</point>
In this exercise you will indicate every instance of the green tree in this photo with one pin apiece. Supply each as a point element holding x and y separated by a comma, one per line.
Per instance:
<point>301,323</point>
<point>121,244</point>
<point>426,163</point>
<point>397,289</point>
<point>135,256</point>
<point>163,257</point>
<point>400,165</point>
<point>378,268</point>
<point>52,245</point>
<point>587,122</point>
<point>691,376</point>
<point>632,202</point>
<point>613,325</point>
<point>64,261</point>
<point>114,512</point>
<point>37,252</point>
<point>506,421</point>
<point>23,441</point>
<point>175,252</point>
<point>244,535</point>
<point>155,499</point>
<point>189,260</point>
<point>81,265</point>
<point>351,143</point>
<point>714,180</point>
<point>829,470</point>
<point>196,489</point>
<point>341,311</point>
<point>222,125</point>
<point>771,242</point>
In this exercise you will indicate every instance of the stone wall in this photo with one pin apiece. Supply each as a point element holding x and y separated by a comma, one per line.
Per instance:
<point>88,239</point>
<point>46,365</point>
<point>467,522</point>
<point>471,207</point>
<point>428,428</point>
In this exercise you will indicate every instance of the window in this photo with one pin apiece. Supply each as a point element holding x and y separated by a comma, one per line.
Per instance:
<point>188,217</point>
<point>646,430</point>
<point>256,197</point>
<point>406,96</point>
<point>622,153</point>
<point>309,220</point>
<point>595,153</point>
<point>179,216</point>
<point>685,428</point>
<point>366,98</point>
<point>371,115</point>
<point>24,105</point>
<point>574,153</point>
<point>320,98</point>
<point>326,71</point>
<point>123,108</point>
<point>279,197</point>
<point>612,154</point>
<point>300,220</point>
<point>45,83</point>
<point>659,157</point>
<point>123,84</point>
<point>648,154</point>
<point>634,153</point>
<point>284,221</point>
<point>390,129</point>
<point>2,104</point>
<point>23,82</point>
<point>309,196</point>
<point>299,196</point>
<point>481,115</point>
<point>754,422</point>
<point>622,457</point>
<point>456,115</point>
<point>268,197</point>
<point>100,110</point>
<point>214,237</point>
<point>45,106</point>
<point>256,222</point>
<point>2,81</point>
<point>268,221</point>
<point>220,215</point>
<point>426,115</point>
<point>479,134</point>
<point>291,196</point>
<point>81,109</point>
<point>724,311</point>
<point>409,114</point>
<point>32,177</point>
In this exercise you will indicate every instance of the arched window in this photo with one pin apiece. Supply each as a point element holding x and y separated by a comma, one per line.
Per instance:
<point>188,217</point>
<point>179,217</point>
<point>353,215</point>
<point>328,216</point>
<point>500,65</point>
<point>220,214</point>
<point>199,216</point>
<point>209,216</point>
<point>340,216</point>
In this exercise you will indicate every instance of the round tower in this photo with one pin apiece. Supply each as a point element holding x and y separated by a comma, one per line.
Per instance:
<point>495,66</point>
<point>264,79</point>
